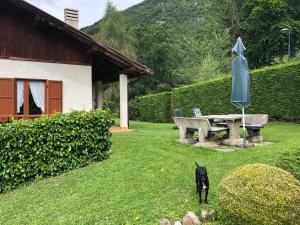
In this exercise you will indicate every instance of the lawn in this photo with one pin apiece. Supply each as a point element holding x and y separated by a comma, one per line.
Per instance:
<point>149,176</point>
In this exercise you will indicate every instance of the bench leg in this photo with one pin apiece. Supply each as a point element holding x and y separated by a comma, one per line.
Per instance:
<point>203,142</point>
<point>185,136</point>
<point>254,135</point>
<point>234,134</point>
<point>202,136</point>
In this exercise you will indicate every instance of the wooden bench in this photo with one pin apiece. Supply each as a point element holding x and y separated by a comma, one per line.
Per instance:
<point>187,127</point>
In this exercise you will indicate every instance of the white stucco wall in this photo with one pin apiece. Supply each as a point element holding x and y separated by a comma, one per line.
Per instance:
<point>77,79</point>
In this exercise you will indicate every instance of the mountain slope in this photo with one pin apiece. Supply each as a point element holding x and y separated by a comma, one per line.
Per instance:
<point>183,15</point>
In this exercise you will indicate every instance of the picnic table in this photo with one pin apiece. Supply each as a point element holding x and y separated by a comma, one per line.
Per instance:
<point>187,127</point>
<point>233,123</point>
<point>230,123</point>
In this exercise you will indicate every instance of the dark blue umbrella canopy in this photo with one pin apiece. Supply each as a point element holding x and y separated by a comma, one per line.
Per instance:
<point>240,94</point>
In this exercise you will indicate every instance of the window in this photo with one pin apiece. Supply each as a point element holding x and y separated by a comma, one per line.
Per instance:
<point>31,97</point>
<point>28,98</point>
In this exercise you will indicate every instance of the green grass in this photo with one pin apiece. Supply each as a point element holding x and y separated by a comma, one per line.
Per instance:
<point>149,176</point>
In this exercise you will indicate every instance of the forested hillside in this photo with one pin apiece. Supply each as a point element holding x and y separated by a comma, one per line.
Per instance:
<point>182,15</point>
<point>186,41</point>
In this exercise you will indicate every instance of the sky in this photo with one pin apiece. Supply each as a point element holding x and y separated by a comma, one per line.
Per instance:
<point>90,11</point>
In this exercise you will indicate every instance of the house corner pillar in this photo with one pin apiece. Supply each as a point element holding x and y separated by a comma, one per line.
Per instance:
<point>99,94</point>
<point>123,101</point>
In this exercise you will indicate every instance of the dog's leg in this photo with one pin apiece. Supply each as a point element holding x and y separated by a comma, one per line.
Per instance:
<point>206,195</point>
<point>197,183</point>
<point>200,196</point>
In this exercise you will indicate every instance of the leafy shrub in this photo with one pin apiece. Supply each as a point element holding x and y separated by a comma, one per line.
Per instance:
<point>111,106</point>
<point>133,109</point>
<point>259,194</point>
<point>291,163</point>
<point>51,145</point>
<point>274,91</point>
<point>155,108</point>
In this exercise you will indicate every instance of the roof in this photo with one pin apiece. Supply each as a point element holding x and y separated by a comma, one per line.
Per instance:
<point>119,63</point>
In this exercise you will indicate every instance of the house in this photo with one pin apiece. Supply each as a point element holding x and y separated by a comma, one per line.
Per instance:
<point>48,66</point>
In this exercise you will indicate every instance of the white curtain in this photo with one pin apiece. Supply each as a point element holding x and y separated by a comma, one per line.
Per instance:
<point>37,89</point>
<point>20,95</point>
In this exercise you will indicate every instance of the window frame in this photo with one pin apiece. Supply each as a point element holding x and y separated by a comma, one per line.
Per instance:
<point>6,117</point>
<point>26,104</point>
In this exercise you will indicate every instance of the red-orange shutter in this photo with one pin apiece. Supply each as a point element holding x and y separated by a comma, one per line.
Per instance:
<point>54,96</point>
<point>7,97</point>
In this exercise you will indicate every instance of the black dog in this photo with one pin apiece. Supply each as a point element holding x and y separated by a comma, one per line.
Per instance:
<point>202,182</point>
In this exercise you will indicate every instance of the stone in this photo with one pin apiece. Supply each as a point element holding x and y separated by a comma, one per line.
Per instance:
<point>187,221</point>
<point>206,145</point>
<point>234,127</point>
<point>256,139</point>
<point>177,223</point>
<point>254,135</point>
<point>187,141</point>
<point>213,215</point>
<point>235,142</point>
<point>165,221</point>
<point>205,215</point>
<point>186,136</point>
<point>190,219</point>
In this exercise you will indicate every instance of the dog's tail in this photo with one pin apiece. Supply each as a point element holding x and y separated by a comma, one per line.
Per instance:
<point>197,164</point>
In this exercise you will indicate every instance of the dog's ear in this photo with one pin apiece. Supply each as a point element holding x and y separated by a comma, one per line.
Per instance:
<point>197,164</point>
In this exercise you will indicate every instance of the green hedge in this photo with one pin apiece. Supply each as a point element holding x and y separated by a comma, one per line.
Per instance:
<point>155,108</point>
<point>274,90</point>
<point>51,145</point>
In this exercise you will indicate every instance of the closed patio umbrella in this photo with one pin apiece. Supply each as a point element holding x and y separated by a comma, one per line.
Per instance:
<point>240,94</point>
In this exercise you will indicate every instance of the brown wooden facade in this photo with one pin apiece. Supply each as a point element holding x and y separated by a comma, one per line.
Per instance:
<point>22,38</point>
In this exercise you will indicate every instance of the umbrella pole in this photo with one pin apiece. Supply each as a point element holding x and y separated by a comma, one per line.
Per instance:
<point>244,126</point>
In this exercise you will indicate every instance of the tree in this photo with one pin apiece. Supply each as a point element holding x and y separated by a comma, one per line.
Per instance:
<point>209,68</point>
<point>261,28</point>
<point>208,58</point>
<point>114,31</point>
<point>259,23</point>
<point>157,47</point>
<point>222,14</point>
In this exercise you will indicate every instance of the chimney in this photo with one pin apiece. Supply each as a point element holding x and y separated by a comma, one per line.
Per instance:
<point>72,17</point>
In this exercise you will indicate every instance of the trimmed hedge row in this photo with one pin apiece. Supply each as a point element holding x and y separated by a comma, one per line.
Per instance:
<point>155,108</point>
<point>51,145</point>
<point>274,90</point>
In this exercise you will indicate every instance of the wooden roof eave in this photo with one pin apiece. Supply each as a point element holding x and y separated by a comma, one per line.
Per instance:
<point>97,47</point>
<point>128,65</point>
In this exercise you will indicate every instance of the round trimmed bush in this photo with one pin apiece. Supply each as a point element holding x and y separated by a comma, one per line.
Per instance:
<point>259,194</point>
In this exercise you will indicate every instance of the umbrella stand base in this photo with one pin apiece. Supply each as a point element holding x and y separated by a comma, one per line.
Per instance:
<point>240,143</point>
